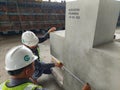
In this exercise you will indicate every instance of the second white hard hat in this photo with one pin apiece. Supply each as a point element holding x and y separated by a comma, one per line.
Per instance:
<point>29,38</point>
<point>19,57</point>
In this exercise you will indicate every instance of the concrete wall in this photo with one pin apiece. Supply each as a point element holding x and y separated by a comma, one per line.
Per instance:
<point>106,22</point>
<point>56,47</point>
<point>57,44</point>
<point>86,20</point>
<point>98,66</point>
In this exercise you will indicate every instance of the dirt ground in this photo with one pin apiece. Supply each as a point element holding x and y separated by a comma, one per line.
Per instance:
<point>7,42</point>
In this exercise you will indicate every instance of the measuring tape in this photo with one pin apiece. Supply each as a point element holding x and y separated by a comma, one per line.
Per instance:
<point>68,71</point>
<point>74,76</point>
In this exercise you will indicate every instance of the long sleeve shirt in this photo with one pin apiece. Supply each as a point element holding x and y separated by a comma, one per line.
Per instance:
<point>44,37</point>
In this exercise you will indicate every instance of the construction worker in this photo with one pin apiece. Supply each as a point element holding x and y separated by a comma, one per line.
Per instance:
<point>19,63</point>
<point>30,40</point>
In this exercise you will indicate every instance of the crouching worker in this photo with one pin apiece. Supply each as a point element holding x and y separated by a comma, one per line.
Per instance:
<point>19,63</point>
<point>30,40</point>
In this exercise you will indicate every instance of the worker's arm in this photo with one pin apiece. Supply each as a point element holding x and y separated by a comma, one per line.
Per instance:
<point>50,65</point>
<point>86,87</point>
<point>46,36</point>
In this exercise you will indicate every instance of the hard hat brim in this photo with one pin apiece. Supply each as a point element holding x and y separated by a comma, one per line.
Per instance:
<point>35,58</point>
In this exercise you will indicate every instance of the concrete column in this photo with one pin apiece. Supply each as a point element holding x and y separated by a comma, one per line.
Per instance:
<point>90,23</point>
<point>88,50</point>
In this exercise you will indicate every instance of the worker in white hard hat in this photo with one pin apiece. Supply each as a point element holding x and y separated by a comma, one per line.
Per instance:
<point>30,40</point>
<point>19,63</point>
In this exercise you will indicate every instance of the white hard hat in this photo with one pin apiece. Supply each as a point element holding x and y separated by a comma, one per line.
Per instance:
<point>29,38</point>
<point>19,57</point>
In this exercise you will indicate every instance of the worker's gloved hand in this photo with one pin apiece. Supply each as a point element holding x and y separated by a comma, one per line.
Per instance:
<point>52,29</point>
<point>59,64</point>
<point>86,87</point>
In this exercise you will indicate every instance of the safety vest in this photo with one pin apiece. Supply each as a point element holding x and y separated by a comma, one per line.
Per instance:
<point>38,49</point>
<point>24,86</point>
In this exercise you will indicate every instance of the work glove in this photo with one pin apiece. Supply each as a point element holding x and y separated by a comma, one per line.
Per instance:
<point>59,64</point>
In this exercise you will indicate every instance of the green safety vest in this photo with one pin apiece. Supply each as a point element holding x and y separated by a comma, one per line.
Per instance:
<point>24,86</point>
<point>38,49</point>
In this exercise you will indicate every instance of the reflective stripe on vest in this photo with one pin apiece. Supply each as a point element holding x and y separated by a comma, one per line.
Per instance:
<point>25,86</point>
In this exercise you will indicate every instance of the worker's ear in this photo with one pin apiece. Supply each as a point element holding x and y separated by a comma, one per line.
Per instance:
<point>27,71</point>
<point>30,70</point>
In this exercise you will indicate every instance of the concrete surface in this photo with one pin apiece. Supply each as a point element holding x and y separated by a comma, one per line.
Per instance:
<point>99,66</point>
<point>108,12</point>
<point>83,60</point>
<point>48,81</point>
<point>56,47</point>
<point>7,42</point>
<point>57,44</point>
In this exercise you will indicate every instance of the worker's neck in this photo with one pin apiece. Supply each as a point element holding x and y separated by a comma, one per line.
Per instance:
<point>19,77</point>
